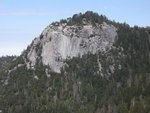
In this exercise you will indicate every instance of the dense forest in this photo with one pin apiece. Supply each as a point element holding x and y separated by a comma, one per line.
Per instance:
<point>114,82</point>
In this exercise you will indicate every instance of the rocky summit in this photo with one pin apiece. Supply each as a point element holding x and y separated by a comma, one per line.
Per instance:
<point>61,42</point>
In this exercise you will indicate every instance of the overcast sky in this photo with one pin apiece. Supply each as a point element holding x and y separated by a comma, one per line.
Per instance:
<point>23,20</point>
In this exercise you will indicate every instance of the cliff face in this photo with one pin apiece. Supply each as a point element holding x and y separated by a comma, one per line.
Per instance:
<point>61,42</point>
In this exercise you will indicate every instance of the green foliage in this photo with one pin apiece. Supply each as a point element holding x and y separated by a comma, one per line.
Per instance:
<point>5,60</point>
<point>80,19</point>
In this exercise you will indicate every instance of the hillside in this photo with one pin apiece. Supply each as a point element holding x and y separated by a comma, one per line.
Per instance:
<point>4,60</point>
<point>83,64</point>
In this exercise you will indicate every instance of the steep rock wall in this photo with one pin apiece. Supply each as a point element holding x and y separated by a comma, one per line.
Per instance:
<point>62,42</point>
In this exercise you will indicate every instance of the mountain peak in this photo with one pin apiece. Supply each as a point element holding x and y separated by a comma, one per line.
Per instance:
<point>80,19</point>
<point>61,41</point>
<point>82,65</point>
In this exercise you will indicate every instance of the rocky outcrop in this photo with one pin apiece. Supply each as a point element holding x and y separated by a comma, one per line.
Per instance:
<point>61,42</point>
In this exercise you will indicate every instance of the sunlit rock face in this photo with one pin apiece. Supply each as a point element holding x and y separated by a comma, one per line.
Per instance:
<point>61,42</point>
